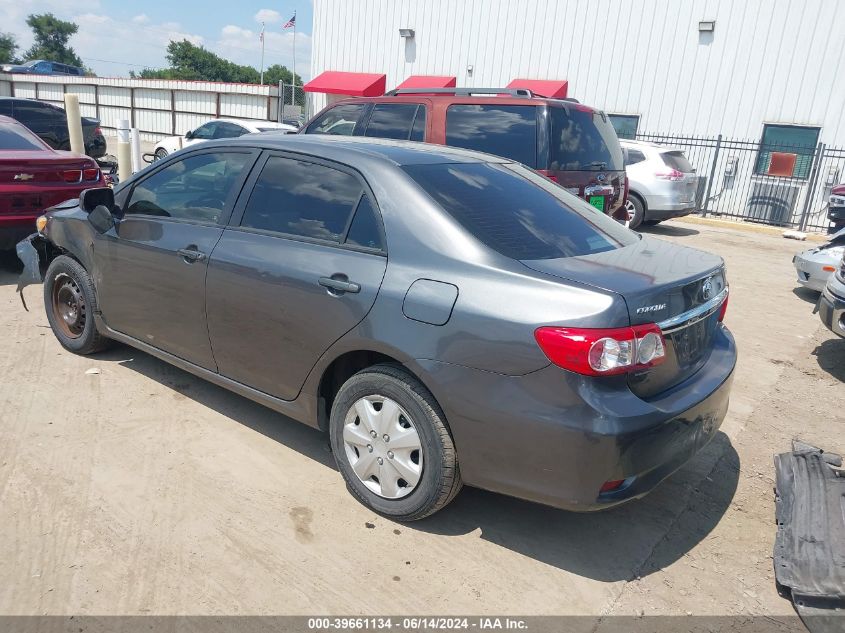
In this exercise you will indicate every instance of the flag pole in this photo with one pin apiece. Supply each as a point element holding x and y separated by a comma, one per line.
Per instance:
<point>262,54</point>
<point>293,78</point>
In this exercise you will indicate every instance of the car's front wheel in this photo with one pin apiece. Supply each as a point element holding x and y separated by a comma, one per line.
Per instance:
<point>391,444</point>
<point>160,153</point>
<point>70,303</point>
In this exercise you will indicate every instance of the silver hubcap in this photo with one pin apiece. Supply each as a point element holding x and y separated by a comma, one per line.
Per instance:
<point>631,211</point>
<point>383,447</point>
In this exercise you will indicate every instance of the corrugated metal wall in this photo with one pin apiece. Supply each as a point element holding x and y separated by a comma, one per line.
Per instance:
<point>160,108</point>
<point>766,61</point>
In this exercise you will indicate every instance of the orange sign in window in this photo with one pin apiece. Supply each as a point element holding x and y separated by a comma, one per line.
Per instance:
<point>782,164</point>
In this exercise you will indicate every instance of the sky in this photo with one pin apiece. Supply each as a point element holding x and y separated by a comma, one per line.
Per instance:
<point>115,37</point>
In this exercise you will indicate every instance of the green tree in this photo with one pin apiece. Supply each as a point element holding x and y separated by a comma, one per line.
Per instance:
<point>8,46</point>
<point>51,39</point>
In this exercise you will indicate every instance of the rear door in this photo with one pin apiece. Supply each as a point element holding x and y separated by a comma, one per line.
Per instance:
<point>151,267</point>
<point>299,266</point>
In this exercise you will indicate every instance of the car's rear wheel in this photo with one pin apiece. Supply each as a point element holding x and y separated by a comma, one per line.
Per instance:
<point>392,445</point>
<point>635,210</point>
<point>160,153</point>
<point>70,303</point>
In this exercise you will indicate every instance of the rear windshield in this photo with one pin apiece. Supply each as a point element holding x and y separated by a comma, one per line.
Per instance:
<point>17,137</point>
<point>503,130</point>
<point>518,213</point>
<point>677,160</point>
<point>583,140</point>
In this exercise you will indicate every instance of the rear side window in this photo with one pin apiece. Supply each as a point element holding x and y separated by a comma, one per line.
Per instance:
<point>677,160</point>
<point>16,137</point>
<point>583,140</point>
<point>364,230</point>
<point>503,130</point>
<point>418,131</point>
<point>392,120</point>
<point>634,157</point>
<point>303,199</point>
<point>503,207</point>
<point>340,120</point>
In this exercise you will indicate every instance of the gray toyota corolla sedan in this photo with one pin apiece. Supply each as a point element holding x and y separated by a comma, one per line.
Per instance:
<point>446,316</point>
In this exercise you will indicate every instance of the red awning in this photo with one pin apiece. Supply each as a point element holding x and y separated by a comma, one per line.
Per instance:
<point>542,87</point>
<point>428,81</point>
<point>354,84</point>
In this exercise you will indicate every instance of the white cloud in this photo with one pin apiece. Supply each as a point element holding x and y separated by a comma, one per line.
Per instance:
<point>243,47</point>
<point>142,18</point>
<point>269,16</point>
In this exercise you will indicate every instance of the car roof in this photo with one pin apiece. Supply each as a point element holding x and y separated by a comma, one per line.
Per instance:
<point>415,97</point>
<point>649,145</point>
<point>350,148</point>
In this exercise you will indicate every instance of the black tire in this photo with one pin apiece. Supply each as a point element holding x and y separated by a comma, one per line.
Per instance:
<point>639,211</point>
<point>160,153</point>
<point>67,279</point>
<point>652,222</point>
<point>440,479</point>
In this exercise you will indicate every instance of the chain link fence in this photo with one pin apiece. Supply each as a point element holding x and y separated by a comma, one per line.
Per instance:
<point>775,184</point>
<point>294,104</point>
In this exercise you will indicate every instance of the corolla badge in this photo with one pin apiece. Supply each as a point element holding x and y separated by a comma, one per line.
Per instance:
<point>24,176</point>
<point>707,289</point>
<point>655,308</point>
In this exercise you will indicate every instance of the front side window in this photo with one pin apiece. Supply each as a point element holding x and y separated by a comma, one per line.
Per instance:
<point>392,120</point>
<point>583,139</point>
<point>196,189</point>
<point>787,151</point>
<point>340,120</point>
<point>625,125</point>
<point>507,208</point>
<point>302,199</point>
<point>503,130</point>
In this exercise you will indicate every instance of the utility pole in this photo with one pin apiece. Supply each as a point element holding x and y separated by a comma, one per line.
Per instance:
<point>262,53</point>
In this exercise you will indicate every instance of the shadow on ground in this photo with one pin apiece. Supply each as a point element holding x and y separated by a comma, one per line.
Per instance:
<point>830,355</point>
<point>806,294</point>
<point>10,267</point>
<point>632,540</point>
<point>673,230</point>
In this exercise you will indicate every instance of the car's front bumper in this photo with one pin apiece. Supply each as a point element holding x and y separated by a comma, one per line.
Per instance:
<point>555,437</point>
<point>832,307</point>
<point>809,269</point>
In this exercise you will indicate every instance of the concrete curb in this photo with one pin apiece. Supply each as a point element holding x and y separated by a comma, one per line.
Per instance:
<point>747,227</point>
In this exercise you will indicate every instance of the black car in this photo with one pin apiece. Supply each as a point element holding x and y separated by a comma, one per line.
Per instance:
<point>49,122</point>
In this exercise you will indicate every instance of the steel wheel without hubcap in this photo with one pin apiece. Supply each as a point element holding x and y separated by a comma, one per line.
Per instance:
<point>383,446</point>
<point>69,306</point>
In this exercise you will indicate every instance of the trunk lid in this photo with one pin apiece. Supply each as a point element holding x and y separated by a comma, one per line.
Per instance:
<point>28,168</point>
<point>660,283</point>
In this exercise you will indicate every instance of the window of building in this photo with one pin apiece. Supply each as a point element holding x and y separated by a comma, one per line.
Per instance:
<point>625,124</point>
<point>787,150</point>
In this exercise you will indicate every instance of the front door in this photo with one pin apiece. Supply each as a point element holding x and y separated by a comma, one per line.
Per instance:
<point>151,267</point>
<point>300,266</point>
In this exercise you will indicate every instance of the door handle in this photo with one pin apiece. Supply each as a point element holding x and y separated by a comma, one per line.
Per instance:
<point>338,284</point>
<point>191,255</point>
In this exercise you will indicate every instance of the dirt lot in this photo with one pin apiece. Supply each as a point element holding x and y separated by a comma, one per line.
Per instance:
<point>141,489</point>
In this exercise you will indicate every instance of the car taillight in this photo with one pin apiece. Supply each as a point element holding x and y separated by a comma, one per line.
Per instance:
<point>71,175</point>
<point>92,173</point>
<point>672,174</point>
<point>547,174</point>
<point>98,131</point>
<point>723,309</point>
<point>603,352</point>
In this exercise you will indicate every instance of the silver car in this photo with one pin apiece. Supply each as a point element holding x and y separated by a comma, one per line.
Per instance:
<point>662,183</point>
<point>815,266</point>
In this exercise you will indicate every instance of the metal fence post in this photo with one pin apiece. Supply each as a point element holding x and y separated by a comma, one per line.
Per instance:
<point>811,187</point>
<point>712,176</point>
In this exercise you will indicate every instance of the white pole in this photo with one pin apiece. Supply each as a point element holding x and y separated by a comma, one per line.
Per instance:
<point>135,142</point>
<point>262,54</point>
<point>293,78</point>
<point>74,123</point>
<point>124,154</point>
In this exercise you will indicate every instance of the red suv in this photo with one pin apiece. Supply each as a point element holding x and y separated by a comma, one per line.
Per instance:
<point>573,144</point>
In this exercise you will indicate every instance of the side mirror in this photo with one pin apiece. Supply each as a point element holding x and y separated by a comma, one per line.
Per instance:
<point>189,135</point>
<point>101,219</point>
<point>90,199</point>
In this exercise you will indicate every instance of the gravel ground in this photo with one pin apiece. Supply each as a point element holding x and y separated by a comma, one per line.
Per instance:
<point>143,490</point>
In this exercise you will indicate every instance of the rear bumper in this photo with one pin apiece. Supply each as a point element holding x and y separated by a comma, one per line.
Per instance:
<point>555,437</point>
<point>832,307</point>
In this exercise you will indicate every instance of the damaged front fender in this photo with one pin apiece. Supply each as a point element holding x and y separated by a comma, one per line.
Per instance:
<point>32,251</point>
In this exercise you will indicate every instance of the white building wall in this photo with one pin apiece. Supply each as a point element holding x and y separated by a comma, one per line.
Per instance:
<point>768,61</point>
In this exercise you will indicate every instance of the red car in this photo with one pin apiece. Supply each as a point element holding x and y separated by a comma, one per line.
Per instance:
<point>571,143</point>
<point>33,177</point>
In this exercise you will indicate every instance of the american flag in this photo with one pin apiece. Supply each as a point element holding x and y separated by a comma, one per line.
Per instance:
<point>290,23</point>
